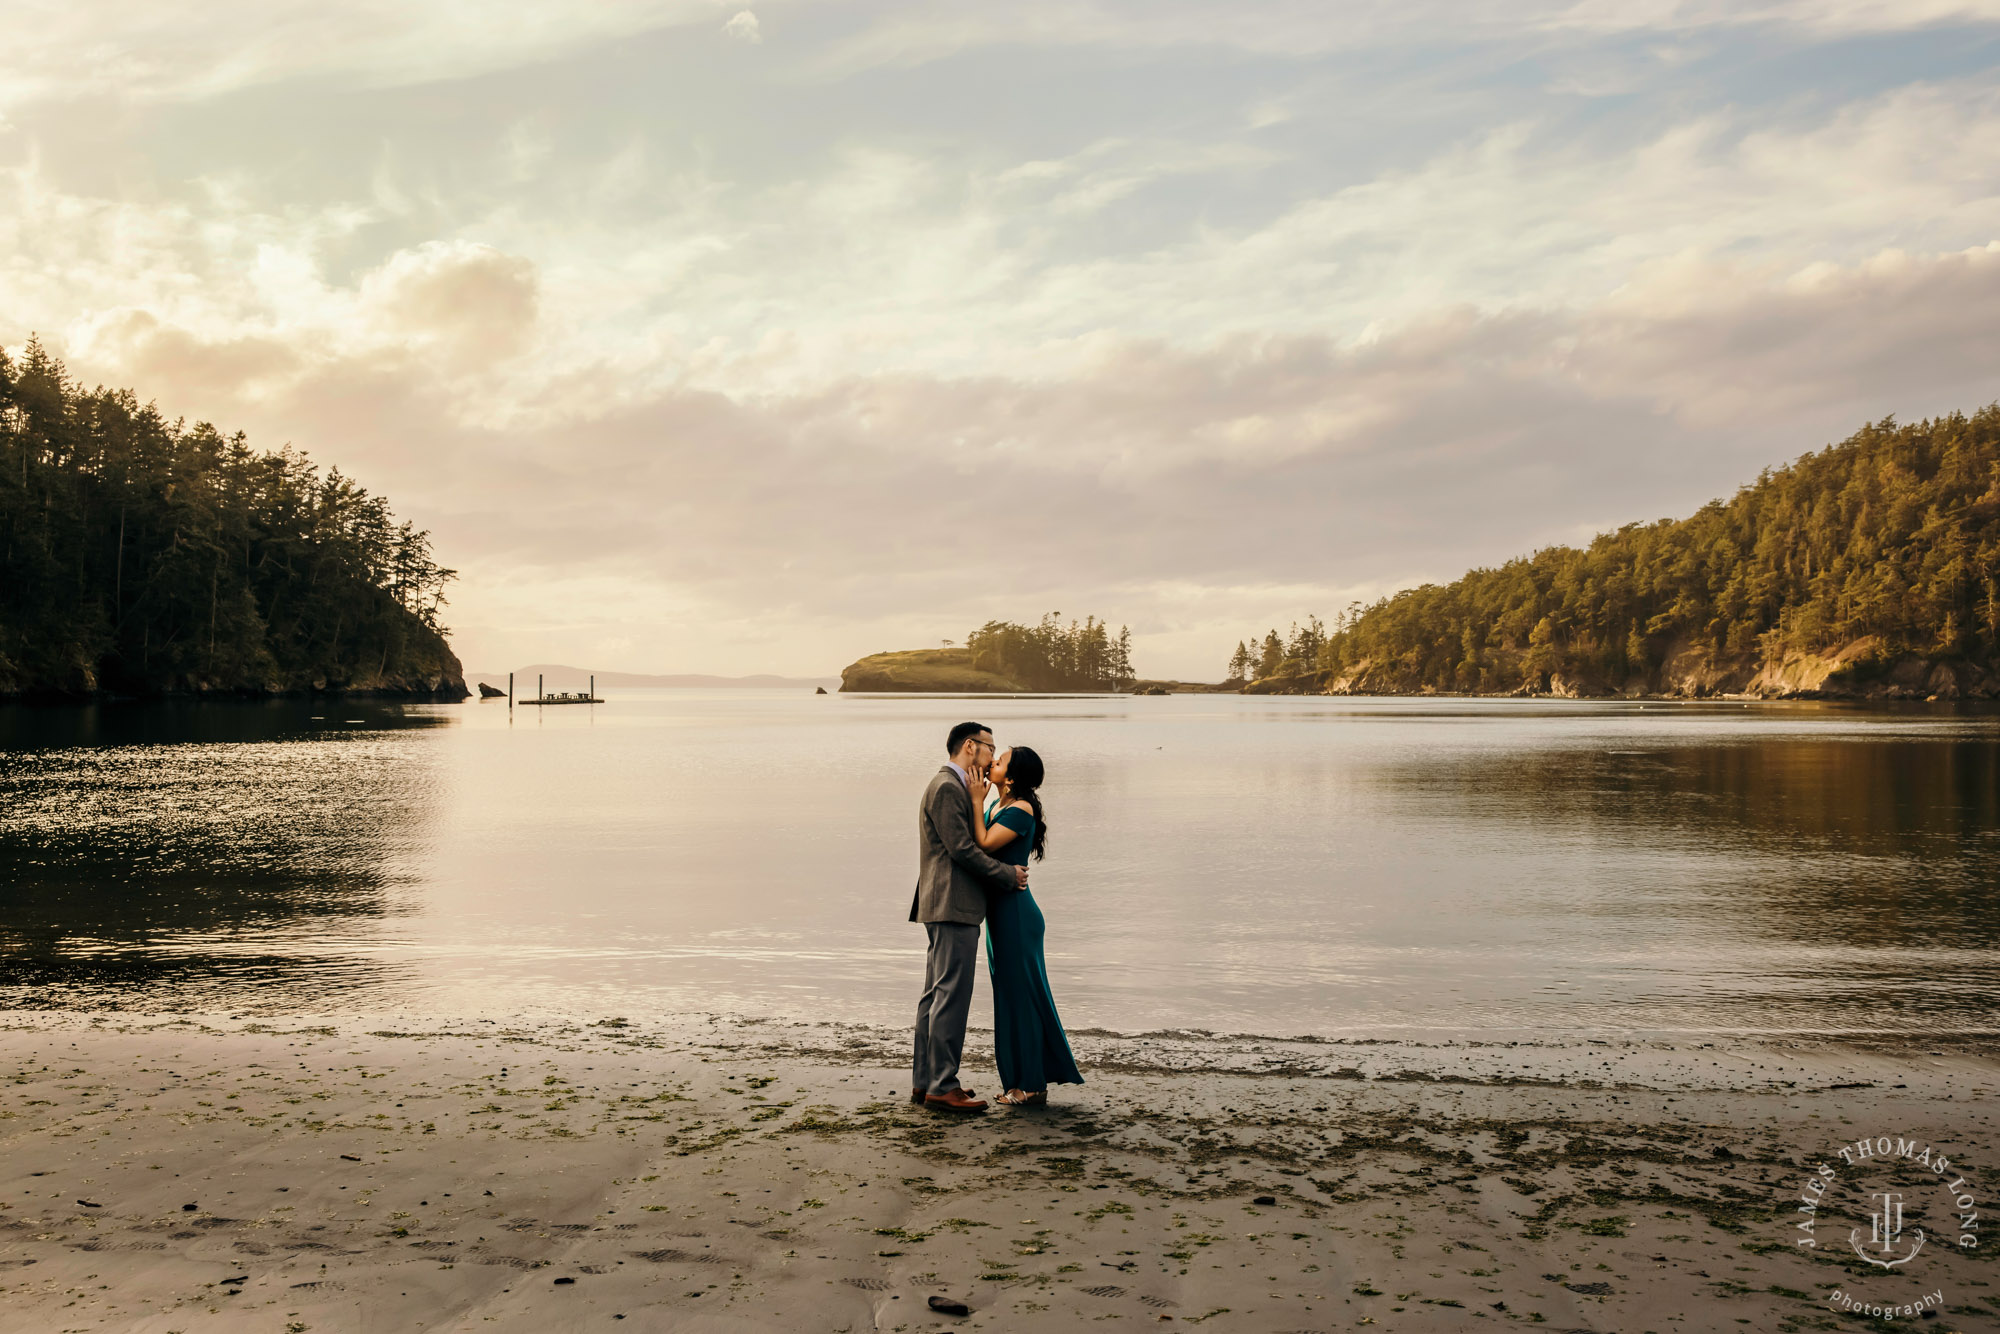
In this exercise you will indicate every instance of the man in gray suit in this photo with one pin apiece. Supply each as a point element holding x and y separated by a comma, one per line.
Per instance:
<point>954,876</point>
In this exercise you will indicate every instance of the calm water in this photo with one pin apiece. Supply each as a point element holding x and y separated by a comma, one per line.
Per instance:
<point>1265,865</point>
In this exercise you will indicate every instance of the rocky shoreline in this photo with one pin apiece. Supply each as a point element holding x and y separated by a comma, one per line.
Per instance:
<point>1863,670</point>
<point>444,683</point>
<point>443,691</point>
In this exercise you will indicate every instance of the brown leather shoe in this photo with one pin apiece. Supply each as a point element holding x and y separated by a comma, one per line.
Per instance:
<point>955,1101</point>
<point>917,1096</point>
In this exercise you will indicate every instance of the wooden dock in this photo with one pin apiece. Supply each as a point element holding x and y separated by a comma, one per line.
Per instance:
<point>543,697</point>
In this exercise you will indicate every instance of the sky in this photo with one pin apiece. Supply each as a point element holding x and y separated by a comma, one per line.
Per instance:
<point>708,338</point>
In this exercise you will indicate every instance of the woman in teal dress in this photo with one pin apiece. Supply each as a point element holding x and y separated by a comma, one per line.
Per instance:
<point>1028,1038</point>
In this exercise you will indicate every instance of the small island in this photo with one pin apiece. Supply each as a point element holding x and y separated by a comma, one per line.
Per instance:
<point>1003,658</point>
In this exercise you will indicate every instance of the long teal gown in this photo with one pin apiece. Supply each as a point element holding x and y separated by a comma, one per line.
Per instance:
<point>1028,1038</point>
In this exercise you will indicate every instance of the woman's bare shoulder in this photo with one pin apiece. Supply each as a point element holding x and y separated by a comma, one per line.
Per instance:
<point>1020,806</point>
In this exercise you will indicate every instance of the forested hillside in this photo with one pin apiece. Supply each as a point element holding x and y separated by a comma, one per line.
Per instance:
<point>144,556</point>
<point>1869,568</point>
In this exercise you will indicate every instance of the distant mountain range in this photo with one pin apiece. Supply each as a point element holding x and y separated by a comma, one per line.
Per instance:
<point>560,676</point>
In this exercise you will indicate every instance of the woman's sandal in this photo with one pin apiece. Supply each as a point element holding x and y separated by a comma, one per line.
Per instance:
<point>1017,1098</point>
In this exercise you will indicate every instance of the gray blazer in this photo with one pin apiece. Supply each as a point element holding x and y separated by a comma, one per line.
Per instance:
<point>954,874</point>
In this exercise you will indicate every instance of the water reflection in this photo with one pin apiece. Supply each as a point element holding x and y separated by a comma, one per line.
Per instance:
<point>1290,866</point>
<point>1793,869</point>
<point>192,849</point>
<point>1879,840</point>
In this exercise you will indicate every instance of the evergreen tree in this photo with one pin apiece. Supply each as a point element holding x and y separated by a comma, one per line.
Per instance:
<point>1273,655</point>
<point>1239,663</point>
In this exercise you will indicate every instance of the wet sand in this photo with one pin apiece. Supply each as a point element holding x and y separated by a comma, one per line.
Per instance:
<point>161,1174</point>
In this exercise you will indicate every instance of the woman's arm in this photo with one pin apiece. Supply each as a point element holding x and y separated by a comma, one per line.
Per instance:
<point>994,836</point>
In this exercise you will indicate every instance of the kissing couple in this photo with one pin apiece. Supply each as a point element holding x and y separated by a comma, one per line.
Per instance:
<point>981,816</point>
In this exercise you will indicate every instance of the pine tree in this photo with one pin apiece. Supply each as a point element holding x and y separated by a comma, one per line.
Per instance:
<point>1274,654</point>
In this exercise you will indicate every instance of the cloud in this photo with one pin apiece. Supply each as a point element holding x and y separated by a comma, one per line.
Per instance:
<point>887,254</point>
<point>894,259</point>
<point>1722,345</point>
<point>743,27</point>
<point>914,34</point>
<point>471,301</point>
<point>458,311</point>
<point>140,52</point>
<point>143,52</point>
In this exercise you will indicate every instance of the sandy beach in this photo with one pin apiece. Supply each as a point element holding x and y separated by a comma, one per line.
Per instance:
<point>193,1173</point>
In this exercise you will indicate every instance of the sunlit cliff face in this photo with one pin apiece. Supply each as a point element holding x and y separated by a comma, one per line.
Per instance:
<point>687,329</point>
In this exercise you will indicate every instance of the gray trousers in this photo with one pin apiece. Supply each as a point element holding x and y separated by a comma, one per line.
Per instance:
<point>949,966</point>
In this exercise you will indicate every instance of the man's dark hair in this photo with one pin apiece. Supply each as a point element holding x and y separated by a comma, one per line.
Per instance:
<point>960,733</point>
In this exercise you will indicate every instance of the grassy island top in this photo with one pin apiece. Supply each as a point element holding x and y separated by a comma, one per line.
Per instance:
<point>1002,658</point>
<point>926,669</point>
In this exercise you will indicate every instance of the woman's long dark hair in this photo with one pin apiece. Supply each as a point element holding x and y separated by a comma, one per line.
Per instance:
<point>1024,781</point>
